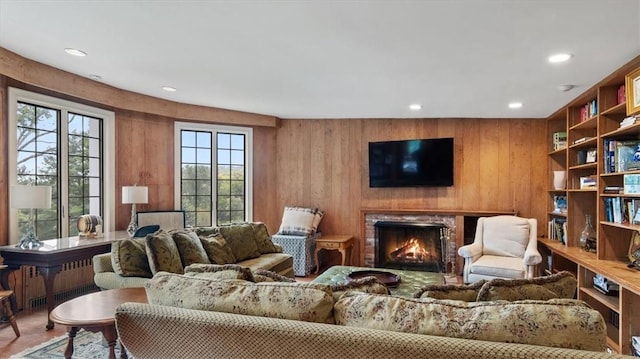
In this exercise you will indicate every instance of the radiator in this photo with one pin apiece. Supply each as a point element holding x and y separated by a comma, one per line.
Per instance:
<point>74,279</point>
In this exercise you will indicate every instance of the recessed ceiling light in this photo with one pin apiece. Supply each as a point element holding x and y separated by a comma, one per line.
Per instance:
<point>169,88</point>
<point>558,58</point>
<point>515,105</point>
<point>95,77</point>
<point>75,52</point>
<point>415,106</point>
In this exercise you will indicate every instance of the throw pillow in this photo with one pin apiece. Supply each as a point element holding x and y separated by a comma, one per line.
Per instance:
<point>129,258</point>
<point>189,246</point>
<point>217,249</point>
<point>296,301</point>
<point>506,289</point>
<point>241,239</point>
<point>262,237</point>
<point>263,275</point>
<point>163,253</point>
<point>466,293</point>
<point>241,272</point>
<point>206,231</point>
<point>363,285</point>
<point>575,325</point>
<point>559,285</point>
<point>297,221</point>
<point>317,218</point>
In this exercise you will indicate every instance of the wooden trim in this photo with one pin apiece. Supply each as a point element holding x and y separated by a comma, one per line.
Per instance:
<point>46,77</point>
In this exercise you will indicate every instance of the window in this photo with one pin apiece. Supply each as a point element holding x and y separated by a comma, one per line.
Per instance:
<point>64,145</point>
<point>213,171</point>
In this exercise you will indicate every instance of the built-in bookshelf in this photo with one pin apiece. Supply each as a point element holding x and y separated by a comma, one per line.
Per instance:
<point>602,164</point>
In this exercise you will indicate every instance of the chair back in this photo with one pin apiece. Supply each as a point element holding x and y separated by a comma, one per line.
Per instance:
<point>505,236</point>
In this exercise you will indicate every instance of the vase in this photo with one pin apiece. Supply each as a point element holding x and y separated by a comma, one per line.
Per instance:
<point>559,179</point>
<point>587,238</point>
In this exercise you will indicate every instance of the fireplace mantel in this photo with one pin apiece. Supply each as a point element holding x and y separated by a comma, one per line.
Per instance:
<point>461,222</point>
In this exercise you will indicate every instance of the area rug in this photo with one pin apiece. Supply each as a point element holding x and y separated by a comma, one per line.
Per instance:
<point>86,345</point>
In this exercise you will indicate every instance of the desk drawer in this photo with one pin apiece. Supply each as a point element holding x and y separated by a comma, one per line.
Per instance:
<point>329,245</point>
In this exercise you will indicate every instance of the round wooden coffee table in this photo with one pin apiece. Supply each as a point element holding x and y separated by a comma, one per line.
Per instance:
<point>95,312</point>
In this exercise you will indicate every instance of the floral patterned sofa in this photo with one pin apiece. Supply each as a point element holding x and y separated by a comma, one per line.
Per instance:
<point>133,262</point>
<point>227,313</point>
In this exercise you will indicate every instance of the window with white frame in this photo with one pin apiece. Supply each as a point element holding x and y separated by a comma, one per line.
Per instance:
<point>213,173</point>
<point>66,146</point>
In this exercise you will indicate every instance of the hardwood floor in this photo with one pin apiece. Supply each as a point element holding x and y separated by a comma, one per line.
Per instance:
<point>32,332</point>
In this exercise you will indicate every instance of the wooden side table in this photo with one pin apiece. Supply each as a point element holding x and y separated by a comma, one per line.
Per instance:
<point>337,242</point>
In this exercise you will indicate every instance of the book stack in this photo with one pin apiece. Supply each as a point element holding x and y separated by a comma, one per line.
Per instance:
<point>630,120</point>
<point>559,140</point>
<point>587,182</point>
<point>558,230</point>
<point>622,96</point>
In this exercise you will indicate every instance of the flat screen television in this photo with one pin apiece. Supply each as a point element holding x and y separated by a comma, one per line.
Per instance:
<point>411,163</point>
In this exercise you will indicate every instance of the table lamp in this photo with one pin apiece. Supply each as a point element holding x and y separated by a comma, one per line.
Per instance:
<point>133,195</point>
<point>30,197</point>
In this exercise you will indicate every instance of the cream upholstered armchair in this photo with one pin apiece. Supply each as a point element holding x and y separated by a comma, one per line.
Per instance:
<point>504,247</point>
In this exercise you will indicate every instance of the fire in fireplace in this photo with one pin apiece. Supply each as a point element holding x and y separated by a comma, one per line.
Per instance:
<point>410,245</point>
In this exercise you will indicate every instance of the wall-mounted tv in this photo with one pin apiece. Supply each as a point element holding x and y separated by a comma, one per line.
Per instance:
<point>411,163</point>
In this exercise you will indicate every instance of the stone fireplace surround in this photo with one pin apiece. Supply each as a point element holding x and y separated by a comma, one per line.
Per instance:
<point>372,218</point>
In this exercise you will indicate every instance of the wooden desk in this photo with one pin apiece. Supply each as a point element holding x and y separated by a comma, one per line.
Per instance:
<point>337,242</point>
<point>50,257</point>
<point>96,312</point>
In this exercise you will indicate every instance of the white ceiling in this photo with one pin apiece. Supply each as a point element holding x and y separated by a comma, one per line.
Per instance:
<point>335,59</point>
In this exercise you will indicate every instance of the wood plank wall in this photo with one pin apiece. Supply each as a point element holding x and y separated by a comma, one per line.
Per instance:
<point>500,164</point>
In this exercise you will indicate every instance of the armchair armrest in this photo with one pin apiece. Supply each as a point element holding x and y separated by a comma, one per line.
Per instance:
<point>102,263</point>
<point>470,250</point>
<point>531,254</point>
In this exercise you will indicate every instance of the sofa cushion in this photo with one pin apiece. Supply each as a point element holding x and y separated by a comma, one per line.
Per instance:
<point>561,323</point>
<point>275,262</point>
<point>217,249</point>
<point>189,247</point>
<point>498,266</point>
<point>241,239</point>
<point>129,258</point>
<point>363,285</point>
<point>163,253</point>
<point>317,218</point>
<point>220,271</point>
<point>206,231</point>
<point>559,285</point>
<point>466,293</point>
<point>262,275</point>
<point>296,301</point>
<point>262,237</point>
<point>298,221</point>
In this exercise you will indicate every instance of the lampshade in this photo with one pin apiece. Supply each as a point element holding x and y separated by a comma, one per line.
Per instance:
<point>30,196</point>
<point>135,194</point>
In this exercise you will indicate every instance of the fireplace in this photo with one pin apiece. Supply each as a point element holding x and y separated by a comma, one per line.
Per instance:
<point>410,245</point>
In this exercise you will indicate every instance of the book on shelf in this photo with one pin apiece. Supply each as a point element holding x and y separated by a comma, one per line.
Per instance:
<point>622,210</point>
<point>580,140</point>
<point>631,183</point>
<point>560,203</point>
<point>587,182</point>
<point>630,120</point>
<point>622,96</point>
<point>589,110</point>
<point>559,140</point>
<point>558,230</point>
<point>613,190</point>
<point>627,155</point>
